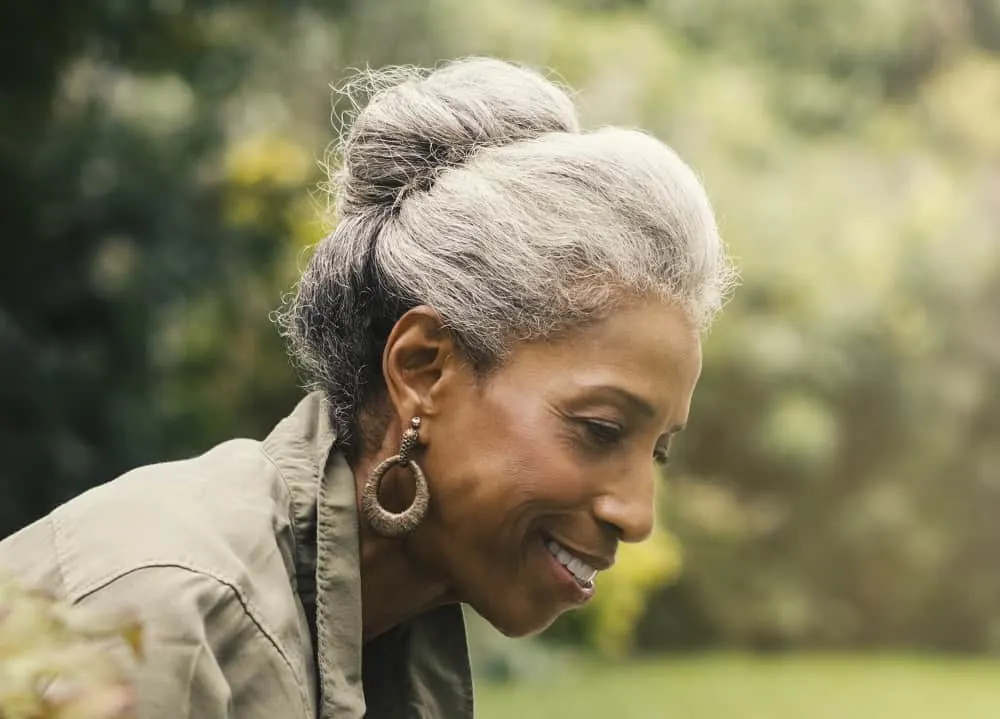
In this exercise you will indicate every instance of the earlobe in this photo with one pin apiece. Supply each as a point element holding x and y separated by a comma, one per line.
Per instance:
<point>415,359</point>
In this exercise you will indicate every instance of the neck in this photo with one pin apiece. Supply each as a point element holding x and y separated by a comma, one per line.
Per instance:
<point>393,589</point>
<point>396,585</point>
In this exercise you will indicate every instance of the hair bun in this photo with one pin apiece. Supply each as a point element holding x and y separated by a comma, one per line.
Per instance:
<point>417,124</point>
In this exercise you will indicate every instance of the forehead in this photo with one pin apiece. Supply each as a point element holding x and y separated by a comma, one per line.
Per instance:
<point>649,349</point>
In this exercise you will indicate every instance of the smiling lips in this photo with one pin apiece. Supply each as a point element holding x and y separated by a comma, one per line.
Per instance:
<point>582,572</point>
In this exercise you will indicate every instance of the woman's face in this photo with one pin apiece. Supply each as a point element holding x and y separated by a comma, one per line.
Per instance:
<point>537,472</point>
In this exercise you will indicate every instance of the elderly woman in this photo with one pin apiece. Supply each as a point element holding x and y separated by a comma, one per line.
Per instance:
<point>503,334</point>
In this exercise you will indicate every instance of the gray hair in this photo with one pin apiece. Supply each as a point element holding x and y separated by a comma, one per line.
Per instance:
<point>472,189</point>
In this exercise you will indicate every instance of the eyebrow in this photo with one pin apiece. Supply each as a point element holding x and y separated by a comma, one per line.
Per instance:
<point>638,403</point>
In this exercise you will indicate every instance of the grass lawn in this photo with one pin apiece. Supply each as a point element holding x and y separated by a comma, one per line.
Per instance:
<point>724,687</point>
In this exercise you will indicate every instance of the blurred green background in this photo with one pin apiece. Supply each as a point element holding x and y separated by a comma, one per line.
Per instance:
<point>830,543</point>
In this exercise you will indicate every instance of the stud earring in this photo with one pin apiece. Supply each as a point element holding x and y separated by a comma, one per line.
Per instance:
<point>381,520</point>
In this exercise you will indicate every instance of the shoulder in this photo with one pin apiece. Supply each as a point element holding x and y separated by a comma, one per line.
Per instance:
<point>201,514</point>
<point>206,651</point>
<point>222,516</point>
<point>187,543</point>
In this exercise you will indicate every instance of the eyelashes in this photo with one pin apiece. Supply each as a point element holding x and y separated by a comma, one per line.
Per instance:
<point>604,434</point>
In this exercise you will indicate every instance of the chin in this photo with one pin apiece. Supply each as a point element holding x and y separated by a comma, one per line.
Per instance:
<point>518,624</point>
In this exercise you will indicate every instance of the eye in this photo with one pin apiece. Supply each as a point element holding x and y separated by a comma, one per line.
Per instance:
<point>602,432</point>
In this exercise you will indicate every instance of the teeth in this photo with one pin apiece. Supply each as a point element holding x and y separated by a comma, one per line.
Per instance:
<point>581,571</point>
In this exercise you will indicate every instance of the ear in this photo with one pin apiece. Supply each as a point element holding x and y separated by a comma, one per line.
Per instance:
<point>417,362</point>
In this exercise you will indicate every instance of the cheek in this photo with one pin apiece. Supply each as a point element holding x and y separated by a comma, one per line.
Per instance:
<point>527,462</point>
<point>504,461</point>
<point>541,467</point>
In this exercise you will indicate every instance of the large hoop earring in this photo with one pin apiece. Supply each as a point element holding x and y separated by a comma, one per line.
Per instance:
<point>397,524</point>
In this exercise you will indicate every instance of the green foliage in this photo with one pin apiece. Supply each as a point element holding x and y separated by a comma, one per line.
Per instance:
<point>115,223</point>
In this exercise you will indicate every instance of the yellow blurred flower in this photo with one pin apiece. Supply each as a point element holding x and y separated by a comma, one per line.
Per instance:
<point>270,160</point>
<point>623,590</point>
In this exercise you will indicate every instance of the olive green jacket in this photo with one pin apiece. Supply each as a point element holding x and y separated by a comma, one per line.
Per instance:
<point>243,564</point>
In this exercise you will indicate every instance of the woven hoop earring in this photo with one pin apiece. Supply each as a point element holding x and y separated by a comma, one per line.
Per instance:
<point>380,519</point>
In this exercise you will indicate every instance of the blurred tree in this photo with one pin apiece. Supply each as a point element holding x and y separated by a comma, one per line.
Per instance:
<point>111,140</point>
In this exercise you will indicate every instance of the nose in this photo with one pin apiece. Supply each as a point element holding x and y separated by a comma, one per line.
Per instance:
<point>628,504</point>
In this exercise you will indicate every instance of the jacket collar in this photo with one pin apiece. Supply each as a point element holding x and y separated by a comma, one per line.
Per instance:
<point>418,669</point>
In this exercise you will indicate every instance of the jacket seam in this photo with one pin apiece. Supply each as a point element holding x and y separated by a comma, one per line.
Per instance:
<point>295,540</point>
<point>245,603</point>
<point>291,499</point>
